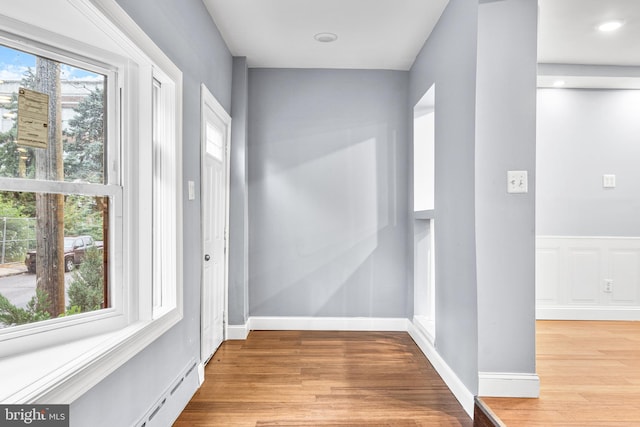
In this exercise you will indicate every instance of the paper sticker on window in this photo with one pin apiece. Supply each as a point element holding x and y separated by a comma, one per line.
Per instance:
<point>33,118</point>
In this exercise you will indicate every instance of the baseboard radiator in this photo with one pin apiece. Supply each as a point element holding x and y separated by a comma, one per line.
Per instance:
<point>173,400</point>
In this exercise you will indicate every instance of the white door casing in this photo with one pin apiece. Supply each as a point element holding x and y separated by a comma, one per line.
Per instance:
<point>214,185</point>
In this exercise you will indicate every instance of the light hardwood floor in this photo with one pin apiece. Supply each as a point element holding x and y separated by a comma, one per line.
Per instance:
<point>589,375</point>
<point>294,378</point>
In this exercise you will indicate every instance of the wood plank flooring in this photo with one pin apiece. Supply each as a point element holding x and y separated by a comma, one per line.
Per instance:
<point>589,375</point>
<point>321,379</point>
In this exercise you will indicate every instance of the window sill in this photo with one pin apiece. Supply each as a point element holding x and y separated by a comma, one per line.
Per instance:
<point>426,214</point>
<point>61,374</point>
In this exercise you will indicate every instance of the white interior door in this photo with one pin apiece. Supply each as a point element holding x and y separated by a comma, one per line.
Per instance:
<point>214,191</point>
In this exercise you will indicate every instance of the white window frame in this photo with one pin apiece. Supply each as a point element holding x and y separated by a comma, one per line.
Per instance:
<point>90,352</point>
<point>164,293</point>
<point>19,338</point>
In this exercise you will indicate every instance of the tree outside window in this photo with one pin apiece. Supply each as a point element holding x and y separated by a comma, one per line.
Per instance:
<point>37,224</point>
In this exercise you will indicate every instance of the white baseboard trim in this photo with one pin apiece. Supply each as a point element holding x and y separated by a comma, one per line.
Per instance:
<point>200,374</point>
<point>237,332</point>
<point>457,387</point>
<point>428,328</point>
<point>501,384</point>
<point>587,313</point>
<point>328,324</point>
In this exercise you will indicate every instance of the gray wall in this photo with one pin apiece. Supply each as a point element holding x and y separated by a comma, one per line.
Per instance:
<point>238,197</point>
<point>184,31</point>
<point>448,59</point>
<point>583,134</point>
<point>328,153</point>
<point>505,223</point>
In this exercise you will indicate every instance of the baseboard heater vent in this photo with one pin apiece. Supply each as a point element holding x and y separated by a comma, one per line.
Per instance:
<point>146,421</point>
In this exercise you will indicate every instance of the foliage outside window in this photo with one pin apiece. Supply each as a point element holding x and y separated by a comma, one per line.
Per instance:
<point>37,226</point>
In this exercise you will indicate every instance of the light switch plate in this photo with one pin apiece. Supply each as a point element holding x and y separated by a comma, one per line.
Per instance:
<point>517,182</point>
<point>608,181</point>
<point>192,190</point>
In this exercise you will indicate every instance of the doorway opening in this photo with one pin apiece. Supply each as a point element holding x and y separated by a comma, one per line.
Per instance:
<point>214,189</point>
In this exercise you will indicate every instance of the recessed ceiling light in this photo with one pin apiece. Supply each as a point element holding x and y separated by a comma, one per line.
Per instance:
<point>609,26</point>
<point>325,37</point>
<point>558,83</point>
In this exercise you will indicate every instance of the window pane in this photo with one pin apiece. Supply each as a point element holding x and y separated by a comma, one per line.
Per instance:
<point>61,261</point>
<point>72,147</point>
<point>157,218</point>
<point>215,141</point>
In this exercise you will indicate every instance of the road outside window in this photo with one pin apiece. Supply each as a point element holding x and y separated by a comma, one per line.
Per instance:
<point>53,243</point>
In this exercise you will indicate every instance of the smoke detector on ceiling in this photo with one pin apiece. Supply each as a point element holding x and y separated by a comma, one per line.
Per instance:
<point>325,37</point>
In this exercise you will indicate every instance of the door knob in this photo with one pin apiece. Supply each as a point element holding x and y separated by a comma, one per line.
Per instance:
<point>207,257</point>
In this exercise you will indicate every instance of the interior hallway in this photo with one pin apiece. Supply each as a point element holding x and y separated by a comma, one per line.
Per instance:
<point>589,376</point>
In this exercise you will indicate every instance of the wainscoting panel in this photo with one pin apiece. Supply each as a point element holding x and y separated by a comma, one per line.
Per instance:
<point>625,275</point>
<point>548,276</point>
<point>584,275</point>
<point>588,278</point>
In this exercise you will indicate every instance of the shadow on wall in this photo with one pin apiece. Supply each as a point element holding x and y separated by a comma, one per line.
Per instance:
<point>330,199</point>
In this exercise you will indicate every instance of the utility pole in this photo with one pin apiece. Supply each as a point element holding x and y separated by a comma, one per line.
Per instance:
<point>50,207</point>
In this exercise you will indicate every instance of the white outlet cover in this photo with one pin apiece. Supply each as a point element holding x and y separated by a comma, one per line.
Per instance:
<point>517,182</point>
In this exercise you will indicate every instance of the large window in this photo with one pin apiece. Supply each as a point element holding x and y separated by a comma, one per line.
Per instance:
<point>53,139</point>
<point>90,195</point>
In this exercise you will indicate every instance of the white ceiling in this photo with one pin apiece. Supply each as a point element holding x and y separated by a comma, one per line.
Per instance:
<point>388,34</point>
<point>372,34</point>
<point>567,34</point>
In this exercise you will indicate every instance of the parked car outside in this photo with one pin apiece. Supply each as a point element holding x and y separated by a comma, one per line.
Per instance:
<point>75,248</point>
